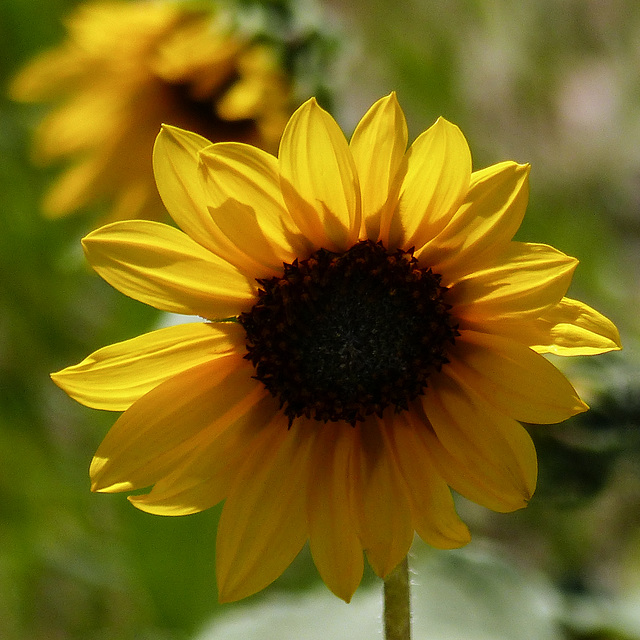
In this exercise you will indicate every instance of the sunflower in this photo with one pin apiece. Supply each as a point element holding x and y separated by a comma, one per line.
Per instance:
<point>123,71</point>
<point>372,338</point>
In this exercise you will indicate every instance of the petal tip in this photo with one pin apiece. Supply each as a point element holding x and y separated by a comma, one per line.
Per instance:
<point>171,134</point>
<point>95,488</point>
<point>391,98</point>
<point>166,131</point>
<point>442,122</point>
<point>169,129</point>
<point>227,594</point>
<point>96,474</point>
<point>346,597</point>
<point>581,406</point>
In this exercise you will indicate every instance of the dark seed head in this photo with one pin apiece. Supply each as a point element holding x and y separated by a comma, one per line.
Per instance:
<point>342,336</point>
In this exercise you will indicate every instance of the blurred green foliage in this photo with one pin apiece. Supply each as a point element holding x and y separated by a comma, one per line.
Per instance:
<point>550,82</point>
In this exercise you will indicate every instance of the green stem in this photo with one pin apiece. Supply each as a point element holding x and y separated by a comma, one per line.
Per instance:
<point>397,604</point>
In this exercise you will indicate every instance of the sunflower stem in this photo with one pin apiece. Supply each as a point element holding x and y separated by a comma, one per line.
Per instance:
<point>397,604</point>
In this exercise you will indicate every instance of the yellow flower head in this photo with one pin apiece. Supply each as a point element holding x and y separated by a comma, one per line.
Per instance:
<point>123,71</point>
<point>387,338</point>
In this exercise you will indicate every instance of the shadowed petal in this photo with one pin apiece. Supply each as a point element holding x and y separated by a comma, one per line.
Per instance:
<point>378,145</point>
<point>244,198</point>
<point>434,514</point>
<point>319,180</point>
<point>114,377</point>
<point>380,500</point>
<point>470,481</point>
<point>516,380</point>
<point>333,540</point>
<point>205,477</point>
<point>163,267</point>
<point>167,423</point>
<point>495,453</point>
<point>435,184</point>
<point>263,524</point>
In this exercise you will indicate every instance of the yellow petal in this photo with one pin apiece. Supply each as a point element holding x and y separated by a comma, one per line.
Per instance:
<point>434,514</point>
<point>495,453</point>
<point>72,128</point>
<point>136,199</point>
<point>49,75</point>
<point>378,145</point>
<point>163,267</point>
<point>380,501</point>
<point>319,180</point>
<point>437,179</point>
<point>163,426</point>
<point>176,168</point>
<point>206,475</point>
<point>244,199</point>
<point>522,283</point>
<point>571,328</point>
<point>114,377</point>
<point>518,381</point>
<point>486,222</point>
<point>74,188</point>
<point>175,165</point>
<point>470,481</point>
<point>333,540</point>
<point>263,524</point>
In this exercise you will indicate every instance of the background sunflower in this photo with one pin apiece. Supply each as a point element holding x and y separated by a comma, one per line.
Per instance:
<point>553,84</point>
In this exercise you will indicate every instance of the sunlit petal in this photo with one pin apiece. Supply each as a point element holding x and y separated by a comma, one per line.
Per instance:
<point>526,280</point>
<point>434,185</point>
<point>485,223</point>
<point>175,165</point>
<point>165,268</point>
<point>570,328</point>
<point>244,198</point>
<point>114,377</point>
<point>378,145</point>
<point>123,69</point>
<point>179,180</point>
<point>319,179</point>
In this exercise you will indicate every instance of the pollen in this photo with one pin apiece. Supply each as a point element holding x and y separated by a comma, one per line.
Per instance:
<point>340,336</point>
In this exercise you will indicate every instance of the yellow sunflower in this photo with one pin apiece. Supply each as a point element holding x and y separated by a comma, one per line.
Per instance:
<point>371,338</point>
<point>123,71</point>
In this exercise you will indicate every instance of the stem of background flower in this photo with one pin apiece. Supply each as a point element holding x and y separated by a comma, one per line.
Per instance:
<point>397,604</point>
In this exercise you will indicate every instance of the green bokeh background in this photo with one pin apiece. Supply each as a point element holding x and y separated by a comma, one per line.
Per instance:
<point>550,82</point>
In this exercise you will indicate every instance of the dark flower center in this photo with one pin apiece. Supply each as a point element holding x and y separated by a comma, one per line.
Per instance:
<point>342,336</point>
<point>200,115</point>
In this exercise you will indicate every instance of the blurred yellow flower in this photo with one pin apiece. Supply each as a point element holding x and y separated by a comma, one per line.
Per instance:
<point>386,339</point>
<point>125,69</point>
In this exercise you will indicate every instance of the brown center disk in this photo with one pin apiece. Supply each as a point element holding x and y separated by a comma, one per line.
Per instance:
<point>342,336</point>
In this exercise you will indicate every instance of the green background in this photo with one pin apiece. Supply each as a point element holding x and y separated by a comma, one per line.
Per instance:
<point>550,82</point>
